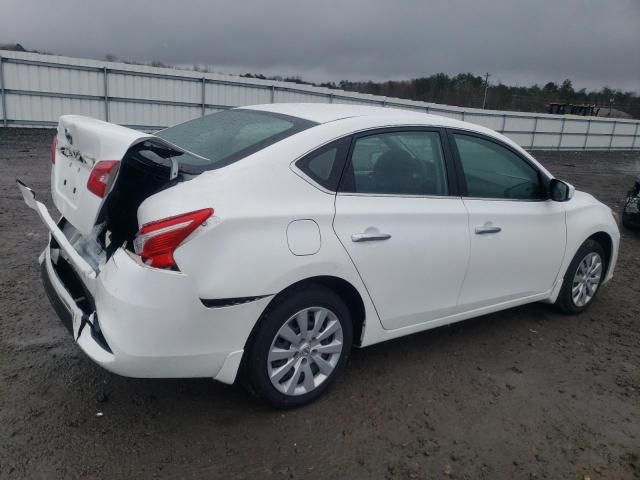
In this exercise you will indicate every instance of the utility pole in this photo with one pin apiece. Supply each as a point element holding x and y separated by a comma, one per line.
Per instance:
<point>610,105</point>
<point>486,89</point>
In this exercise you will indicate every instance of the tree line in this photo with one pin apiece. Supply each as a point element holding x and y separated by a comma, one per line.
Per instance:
<point>467,90</point>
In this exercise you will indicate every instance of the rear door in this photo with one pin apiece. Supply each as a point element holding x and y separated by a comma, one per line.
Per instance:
<point>403,225</point>
<point>81,143</point>
<point>517,233</point>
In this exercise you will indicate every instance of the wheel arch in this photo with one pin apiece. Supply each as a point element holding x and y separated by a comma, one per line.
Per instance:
<point>606,242</point>
<point>604,239</point>
<point>344,289</point>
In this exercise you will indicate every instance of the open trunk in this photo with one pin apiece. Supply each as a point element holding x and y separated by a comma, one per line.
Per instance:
<point>146,169</point>
<point>81,147</point>
<point>101,174</point>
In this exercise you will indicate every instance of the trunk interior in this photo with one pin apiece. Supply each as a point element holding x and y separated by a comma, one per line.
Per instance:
<point>144,171</point>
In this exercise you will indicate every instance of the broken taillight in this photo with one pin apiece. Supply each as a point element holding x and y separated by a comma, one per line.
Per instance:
<point>156,241</point>
<point>99,177</point>
<point>54,145</point>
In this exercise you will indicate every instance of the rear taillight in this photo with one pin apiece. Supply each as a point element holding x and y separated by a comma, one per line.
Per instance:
<point>156,241</point>
<point>54,145</point>
<point>99,177</point>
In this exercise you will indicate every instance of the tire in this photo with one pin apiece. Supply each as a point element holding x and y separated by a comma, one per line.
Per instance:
<point>629,223</point>
<point>567,301</point>
<point>286,367</point>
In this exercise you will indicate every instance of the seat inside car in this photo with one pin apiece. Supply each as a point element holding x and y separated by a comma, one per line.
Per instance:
<point>397,172</point>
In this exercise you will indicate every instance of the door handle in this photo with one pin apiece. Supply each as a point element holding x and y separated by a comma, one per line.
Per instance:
<point>486,229</point>
<point>369,237</point>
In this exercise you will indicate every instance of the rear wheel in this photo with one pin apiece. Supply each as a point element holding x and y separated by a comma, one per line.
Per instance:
<point>583,278</point>
<point>300,347</point>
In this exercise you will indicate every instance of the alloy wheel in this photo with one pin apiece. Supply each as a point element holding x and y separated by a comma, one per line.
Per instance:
<point>305,351</point>
<point>586,279</point>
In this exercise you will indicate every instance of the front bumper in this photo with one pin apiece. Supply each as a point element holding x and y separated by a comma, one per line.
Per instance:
<point>139,321</point>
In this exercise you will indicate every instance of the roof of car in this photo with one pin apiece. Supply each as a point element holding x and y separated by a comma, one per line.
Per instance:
<point>329,112</point>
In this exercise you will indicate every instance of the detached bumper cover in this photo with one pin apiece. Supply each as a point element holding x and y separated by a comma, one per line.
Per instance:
<point>63,311</point>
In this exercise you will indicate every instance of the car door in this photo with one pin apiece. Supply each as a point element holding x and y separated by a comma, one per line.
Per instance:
<point>400,219</point>
<point>517,233</point>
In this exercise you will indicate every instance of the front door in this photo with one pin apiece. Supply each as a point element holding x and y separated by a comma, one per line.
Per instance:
<point>517,234</point>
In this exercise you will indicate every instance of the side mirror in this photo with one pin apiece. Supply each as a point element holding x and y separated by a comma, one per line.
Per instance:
<point>561,191</point>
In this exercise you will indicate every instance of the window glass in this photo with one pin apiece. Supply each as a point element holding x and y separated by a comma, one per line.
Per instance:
<point>493,171</point>
<point>325,164</point>
<point>322,164</point>
<point>225,137</point>
<point>400,163</point>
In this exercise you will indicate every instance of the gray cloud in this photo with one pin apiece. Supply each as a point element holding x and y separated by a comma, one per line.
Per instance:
<point>593,42</point>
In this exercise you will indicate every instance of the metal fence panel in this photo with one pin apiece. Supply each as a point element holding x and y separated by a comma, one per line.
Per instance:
<point>49,109</point>
<point>545,141</point>
<point>233,95</point>
<point>36,89</point>
<point>123,86</point>
<point>548,125</point>
<point>153,117</point>
<point>573,125</point>
<point>493,122</point>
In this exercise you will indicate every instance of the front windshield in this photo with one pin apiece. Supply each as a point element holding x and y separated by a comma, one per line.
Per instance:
<point>222,138</point>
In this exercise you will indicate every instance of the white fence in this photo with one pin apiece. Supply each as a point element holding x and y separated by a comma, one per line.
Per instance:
<point>36,89</point>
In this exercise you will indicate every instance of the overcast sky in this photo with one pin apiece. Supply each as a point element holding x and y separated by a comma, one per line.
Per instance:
<point>592,42</point>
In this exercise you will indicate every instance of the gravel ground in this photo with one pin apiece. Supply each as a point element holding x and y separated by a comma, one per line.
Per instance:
<point>525,393</point>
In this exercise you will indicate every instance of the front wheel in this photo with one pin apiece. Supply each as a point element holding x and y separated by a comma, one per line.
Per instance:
<point>583,278</point>
<point>299,348</point>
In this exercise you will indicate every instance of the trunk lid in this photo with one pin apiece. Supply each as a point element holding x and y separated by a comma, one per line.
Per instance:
<point>82,142</point>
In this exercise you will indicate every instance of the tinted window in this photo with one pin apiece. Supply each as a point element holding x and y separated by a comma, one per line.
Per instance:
<point>493,171</point>
<point>325,165</point>
<point>225,137</point>
<point>400,163</point>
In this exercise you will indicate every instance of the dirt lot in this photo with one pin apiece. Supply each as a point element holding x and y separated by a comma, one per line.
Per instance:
<point>526,393</point>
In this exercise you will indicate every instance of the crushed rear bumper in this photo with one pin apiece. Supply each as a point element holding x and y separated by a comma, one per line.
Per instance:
<point>139,321</point>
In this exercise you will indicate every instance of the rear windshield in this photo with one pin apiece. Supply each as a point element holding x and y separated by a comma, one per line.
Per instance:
<point>222,138</point>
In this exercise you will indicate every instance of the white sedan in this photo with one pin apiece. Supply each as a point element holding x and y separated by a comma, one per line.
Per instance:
<point>264,242</point>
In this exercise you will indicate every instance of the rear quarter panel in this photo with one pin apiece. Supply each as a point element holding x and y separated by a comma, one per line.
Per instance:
<point>242,251</point>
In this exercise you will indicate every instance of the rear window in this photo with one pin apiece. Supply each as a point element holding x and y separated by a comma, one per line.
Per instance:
<point>223,138</point>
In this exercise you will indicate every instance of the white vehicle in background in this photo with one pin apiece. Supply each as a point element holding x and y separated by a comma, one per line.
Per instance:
<point>268,240</point>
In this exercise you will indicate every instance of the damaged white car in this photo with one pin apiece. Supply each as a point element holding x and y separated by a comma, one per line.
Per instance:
<point>263,242</point>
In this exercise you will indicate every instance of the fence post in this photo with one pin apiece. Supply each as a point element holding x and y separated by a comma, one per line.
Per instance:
<point>561,133</point>
<point>105,72</point>
<point>613,130</point>
<point>463,115</point>
<point>202,98</point>
<point>533,134</point>
<point>331,98</point>
<point>4,99</point>
<point>273,94</point>
<point>586,135</point>
<point>504,123</point>
<point>426,109</point>
<point>635,137</point>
